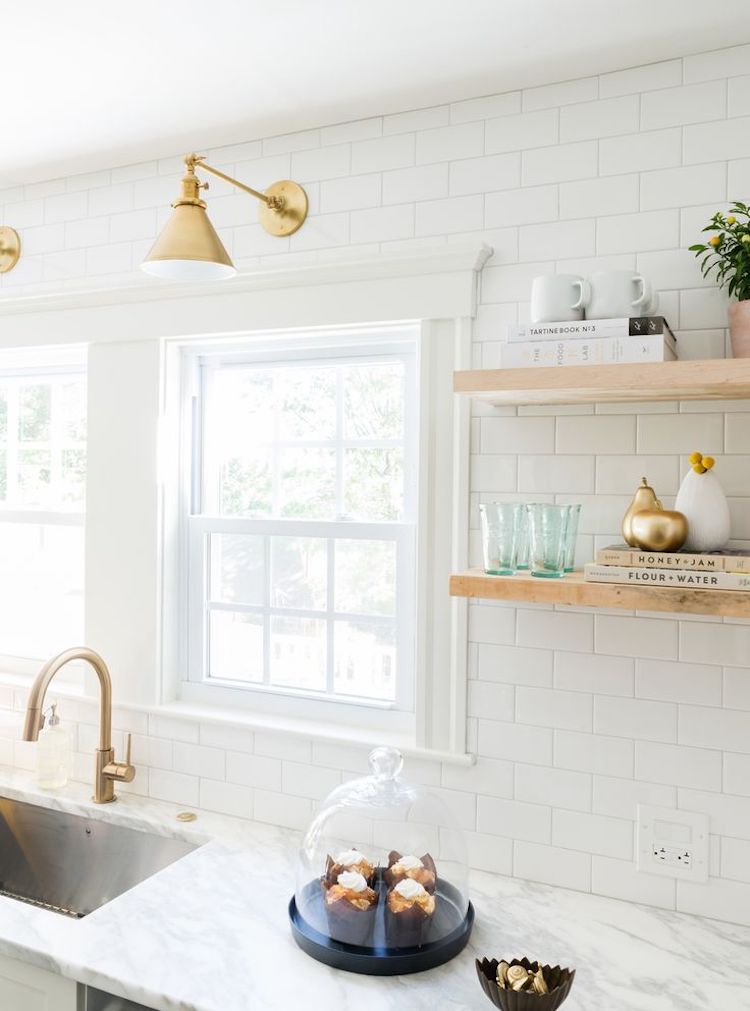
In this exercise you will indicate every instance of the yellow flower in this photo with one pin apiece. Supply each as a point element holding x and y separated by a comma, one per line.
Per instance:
<point>746,238</point>
<point>715,241</point>
<point>708,462</point>
<point>731,220</point>
<point>695,457</point>
<point>699,468</point>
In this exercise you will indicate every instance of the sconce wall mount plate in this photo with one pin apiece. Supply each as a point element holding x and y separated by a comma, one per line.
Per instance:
<point>10,248</point>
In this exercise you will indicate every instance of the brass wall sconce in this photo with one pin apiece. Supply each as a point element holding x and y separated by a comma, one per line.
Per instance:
<point>10,248</point>
<point>189,249</point>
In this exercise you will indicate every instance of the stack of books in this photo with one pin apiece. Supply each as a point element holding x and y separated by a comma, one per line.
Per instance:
<point>589,342</point>
<point>720,570</point>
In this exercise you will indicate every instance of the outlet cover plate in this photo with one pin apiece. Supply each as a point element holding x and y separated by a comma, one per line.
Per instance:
<point>672,843</point>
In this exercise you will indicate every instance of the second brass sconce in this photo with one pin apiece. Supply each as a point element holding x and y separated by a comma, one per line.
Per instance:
<point>10,248</point>
<point>189,249</point>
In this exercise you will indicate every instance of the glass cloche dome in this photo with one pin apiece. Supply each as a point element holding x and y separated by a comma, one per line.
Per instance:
<point>382,876</point>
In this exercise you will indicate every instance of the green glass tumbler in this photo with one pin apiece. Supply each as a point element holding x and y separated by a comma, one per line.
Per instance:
<point>501,525</point>
<point>571,537</point>
<point>548,529</point>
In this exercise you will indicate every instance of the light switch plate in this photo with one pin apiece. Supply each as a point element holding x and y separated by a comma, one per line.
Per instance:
<point>672,843</point>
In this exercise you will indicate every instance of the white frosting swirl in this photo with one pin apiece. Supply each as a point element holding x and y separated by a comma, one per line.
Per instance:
<point>349,857</point>
<point>352,881</point>
<point>409,889</point>
<point>409,862</point>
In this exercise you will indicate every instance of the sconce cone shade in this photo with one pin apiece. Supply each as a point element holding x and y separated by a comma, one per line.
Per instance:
<point>188,248</point>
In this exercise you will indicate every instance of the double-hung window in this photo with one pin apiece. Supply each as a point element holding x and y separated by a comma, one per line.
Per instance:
<point>42,491</point>
<point>301,505</point>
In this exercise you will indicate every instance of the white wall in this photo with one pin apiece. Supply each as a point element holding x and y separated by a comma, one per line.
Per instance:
<point>576,715</point>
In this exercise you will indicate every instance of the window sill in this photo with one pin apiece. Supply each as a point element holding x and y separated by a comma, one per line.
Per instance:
<point>309,729</point>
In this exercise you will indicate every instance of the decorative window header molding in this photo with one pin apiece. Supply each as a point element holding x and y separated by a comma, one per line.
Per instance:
<point>437,283</point>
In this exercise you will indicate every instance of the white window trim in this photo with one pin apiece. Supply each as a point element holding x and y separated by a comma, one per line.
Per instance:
<point>130,579</point>
<point>329,346</point>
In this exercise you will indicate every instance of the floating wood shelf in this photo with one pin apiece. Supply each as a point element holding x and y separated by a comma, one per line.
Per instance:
<point>715,379</point>
<point>574,590</point>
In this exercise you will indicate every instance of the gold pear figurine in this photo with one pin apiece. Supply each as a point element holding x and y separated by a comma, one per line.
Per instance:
<point>644,498</point>
<point>659,529</point>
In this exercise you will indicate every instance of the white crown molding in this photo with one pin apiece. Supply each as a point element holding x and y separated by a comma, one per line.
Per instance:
<point>444,259</point>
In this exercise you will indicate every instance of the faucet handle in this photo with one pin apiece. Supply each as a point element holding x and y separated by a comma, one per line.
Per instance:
<point>121,772</point>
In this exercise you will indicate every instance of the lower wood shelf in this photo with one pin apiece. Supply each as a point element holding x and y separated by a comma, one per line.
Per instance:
<point>573,589</point>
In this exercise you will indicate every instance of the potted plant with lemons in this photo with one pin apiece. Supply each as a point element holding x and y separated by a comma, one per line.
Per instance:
<point>726,257</point>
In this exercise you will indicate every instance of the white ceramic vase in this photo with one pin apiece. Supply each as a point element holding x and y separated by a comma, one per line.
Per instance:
<point>702,500</point>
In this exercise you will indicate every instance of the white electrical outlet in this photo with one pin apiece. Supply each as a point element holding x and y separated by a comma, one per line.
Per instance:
<point>672,843</point>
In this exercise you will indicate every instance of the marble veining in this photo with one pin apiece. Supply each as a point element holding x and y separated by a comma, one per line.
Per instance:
<point>210,933</point>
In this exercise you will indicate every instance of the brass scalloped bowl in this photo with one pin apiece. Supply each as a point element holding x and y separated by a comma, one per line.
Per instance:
<point>558,980</point>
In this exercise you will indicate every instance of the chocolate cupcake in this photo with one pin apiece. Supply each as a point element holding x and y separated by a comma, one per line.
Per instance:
<point>409,909</point>
<point>420,869</point>
<point>350,906</point>
<point>349,860</point>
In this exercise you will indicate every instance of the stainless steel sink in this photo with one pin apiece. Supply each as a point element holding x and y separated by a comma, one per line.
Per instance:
<point>71,864</point>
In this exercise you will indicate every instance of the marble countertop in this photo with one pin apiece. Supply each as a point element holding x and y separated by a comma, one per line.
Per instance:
<point>210,933</point>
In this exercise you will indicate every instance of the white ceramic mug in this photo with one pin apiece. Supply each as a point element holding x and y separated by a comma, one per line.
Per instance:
<point>617,293</point>
<point>558,297</point>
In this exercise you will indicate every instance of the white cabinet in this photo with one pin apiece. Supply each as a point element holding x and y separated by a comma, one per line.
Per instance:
<point>25,988</point>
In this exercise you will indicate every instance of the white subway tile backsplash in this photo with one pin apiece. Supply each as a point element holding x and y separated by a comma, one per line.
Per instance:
<point>723,900</point>
<point>488,776</point>
<point>563,474</point>
<point>625,233</point>
<point>512,741</point>
<point>607,195</point>
<point>549,707</point>
<point>567,630</point>
<point>592,672</point>
<point>492,625</point>
<point>552,865</point>
<point>691,103</point>
<point>382,153</point>
<point>350,193</point>
<point>226,798</point>
<point>174,787</point>
<point>281,809</point>
<point>487,107</point>
<point>547,96</point>
<point>418,119</point>
<point>728,645</point>
<point>678,187</point>
<point>736,693</point>
<point>454,214</point>
<point>639,152</point>
<point>729,138</point>
<point>517,435</point>
<point>254,770</point>
<point>717,63</point>
<point>514,818</point>
<point>707,727</point>
<point>520,206</point>
<point>672,681</point>
<point>728,815</point>
<point>491,700</point>
<point>636,719</point>
<point>420,182</point>
<point>639,79</point>
<point>527,129</point>
<point>586,752</point>
<point>735,859</point>
<point>560,164</point>
<point>556,239</point>
<point>197,760</point>
<point>381,223</point>
<point>593,833</point>
<point>484,174</point>
<point>620,797</point>
<point>516,665</point>
<point>670,764</point>
<point>448,143</point>
<point>620,880</point>
<point>559,788</point>
<point>605,118</point>
<point>680,433</point>
<point>490,853</point>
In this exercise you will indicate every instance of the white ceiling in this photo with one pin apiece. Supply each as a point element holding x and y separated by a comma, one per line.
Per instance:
<point>89,84</point>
